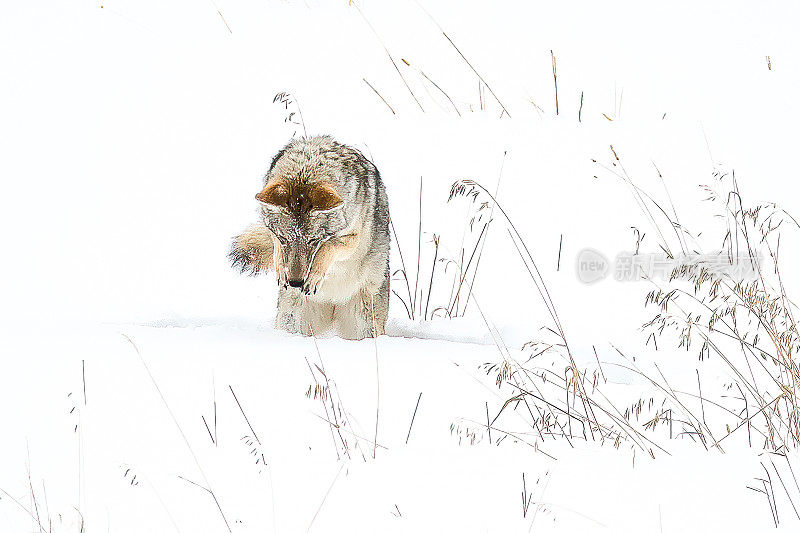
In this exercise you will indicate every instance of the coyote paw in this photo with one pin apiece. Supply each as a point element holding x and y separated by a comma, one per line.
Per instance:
<point>312,284</point>
<point>245,259</point>
<point>252,251</point>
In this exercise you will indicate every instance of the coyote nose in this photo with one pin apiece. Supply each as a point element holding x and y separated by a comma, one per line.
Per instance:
<point>296,283</point>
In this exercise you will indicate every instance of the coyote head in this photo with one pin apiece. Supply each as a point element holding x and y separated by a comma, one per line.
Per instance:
<point>301,216</point>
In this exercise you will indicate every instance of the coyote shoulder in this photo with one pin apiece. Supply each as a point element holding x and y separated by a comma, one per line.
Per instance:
<point>324,229</point>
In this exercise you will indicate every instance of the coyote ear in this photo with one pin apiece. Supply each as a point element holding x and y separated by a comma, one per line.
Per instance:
<point>276,194</point>
<point>323,197</point>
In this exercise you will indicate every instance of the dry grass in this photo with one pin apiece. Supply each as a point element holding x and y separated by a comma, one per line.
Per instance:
<point>747,325</point>
<point>442,283</point>
<point>730,305</point>
<point>346,442</point>
<point>552,398</point>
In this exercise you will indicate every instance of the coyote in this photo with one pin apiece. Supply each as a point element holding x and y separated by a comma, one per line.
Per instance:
<point>325,231</point>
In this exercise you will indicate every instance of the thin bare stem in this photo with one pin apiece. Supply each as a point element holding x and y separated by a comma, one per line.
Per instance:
<point>555,78</point>
<point>379,95</point>
<point>413,416</point>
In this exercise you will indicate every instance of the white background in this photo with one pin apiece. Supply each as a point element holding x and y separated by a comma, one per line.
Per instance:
<point>133,137</point>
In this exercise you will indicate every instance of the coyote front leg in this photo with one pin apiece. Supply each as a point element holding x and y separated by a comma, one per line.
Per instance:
<point>329,251</point>
<point>254,250</point>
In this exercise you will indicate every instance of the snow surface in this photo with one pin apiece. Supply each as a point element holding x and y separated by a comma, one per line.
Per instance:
<point>133,138</point>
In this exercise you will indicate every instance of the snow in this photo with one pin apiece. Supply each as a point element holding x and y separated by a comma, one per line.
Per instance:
<point>133,138</point>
